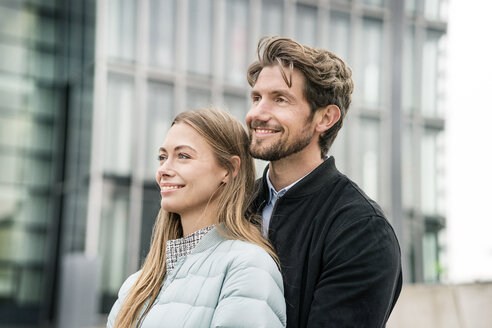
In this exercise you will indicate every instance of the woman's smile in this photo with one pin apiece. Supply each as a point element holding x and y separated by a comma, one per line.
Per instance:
<point>169,187</point>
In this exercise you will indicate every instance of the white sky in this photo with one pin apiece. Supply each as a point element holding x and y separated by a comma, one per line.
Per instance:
<point>469,141</point>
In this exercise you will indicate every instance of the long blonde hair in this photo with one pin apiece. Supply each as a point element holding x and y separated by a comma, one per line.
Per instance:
<point>228,138</point>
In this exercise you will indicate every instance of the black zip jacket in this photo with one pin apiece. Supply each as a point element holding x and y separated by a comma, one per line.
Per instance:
<point>339,256</point>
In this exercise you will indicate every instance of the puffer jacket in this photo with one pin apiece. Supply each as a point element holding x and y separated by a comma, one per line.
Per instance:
<point>222,283</point>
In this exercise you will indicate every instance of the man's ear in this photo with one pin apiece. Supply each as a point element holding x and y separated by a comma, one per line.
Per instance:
<point>236,163</point>
<point>327,117</point>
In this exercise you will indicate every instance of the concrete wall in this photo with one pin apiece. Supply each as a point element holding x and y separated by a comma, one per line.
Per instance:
<point>443,306</point>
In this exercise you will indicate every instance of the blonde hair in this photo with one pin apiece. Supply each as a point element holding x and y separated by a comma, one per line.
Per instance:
<point>228,138</point>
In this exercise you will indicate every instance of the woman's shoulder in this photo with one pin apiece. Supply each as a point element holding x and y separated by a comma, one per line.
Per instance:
<point>243,253</point>
<point>128,283</point>
<point>252,289</point>
<point>242,247</point>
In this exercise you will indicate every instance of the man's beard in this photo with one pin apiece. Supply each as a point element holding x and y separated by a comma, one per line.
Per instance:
<point>281,148</point>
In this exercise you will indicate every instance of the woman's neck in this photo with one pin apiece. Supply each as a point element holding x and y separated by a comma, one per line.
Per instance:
<point>191,222</point>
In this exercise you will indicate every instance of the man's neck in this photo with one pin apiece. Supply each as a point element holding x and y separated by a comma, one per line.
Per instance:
<point>288,170</point>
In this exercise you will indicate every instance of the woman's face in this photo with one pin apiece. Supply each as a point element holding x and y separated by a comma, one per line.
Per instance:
<point>188,173</point>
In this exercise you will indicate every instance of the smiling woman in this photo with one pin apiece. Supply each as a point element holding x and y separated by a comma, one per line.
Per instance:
<point>208,264</point>
<point>190,177</point>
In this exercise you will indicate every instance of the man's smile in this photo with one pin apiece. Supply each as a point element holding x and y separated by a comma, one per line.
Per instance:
<point>264,132</point>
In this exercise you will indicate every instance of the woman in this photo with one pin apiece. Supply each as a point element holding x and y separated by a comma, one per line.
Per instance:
<point>222,273</point>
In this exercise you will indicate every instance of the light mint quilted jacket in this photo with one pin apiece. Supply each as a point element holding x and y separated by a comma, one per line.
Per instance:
<point>222,283</point>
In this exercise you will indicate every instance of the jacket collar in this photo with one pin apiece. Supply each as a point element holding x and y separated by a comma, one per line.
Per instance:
<point>308,185</point>
<point>212,238</point>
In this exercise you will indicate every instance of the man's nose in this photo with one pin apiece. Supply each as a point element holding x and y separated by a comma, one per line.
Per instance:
<point>260,111</point>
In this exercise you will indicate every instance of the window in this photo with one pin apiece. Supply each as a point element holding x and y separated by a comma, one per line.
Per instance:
<point>200,27</point>
<point>237,106</point>
<point>121,29</point>
<point>372,36</point>
<point>433,75</point>
<point>306,25</point>
<point>378,3</point>
<point>162,26</point>
<point>430,257</point>
<point>10,172</point>
<point>432,172</point>
<point>408,71</point>
<point>407,168</point>
<point>151,204</point>
<point>236,43</point>
<point>197,98</point>
<point>8,132</point>
<point>75,219</point>
<point>411,7</point>
<point>370,156</point>
<point>118,125</point>
<point>160,113</point>
<point>43,100</point>
<point>36,171</point>
<point>339,148</point>
<point>435,9</point>
<point>339,41</point>
<point>13,91</point>
<point>272,17</point>
<point>17,22</point>
<point>113,240</point>
<point>13,59</point>
<point>42,65</point>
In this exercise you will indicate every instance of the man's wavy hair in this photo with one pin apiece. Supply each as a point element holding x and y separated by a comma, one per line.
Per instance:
<point>328,78</point>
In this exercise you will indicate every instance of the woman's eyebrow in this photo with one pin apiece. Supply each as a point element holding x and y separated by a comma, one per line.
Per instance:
<point>163,150</point>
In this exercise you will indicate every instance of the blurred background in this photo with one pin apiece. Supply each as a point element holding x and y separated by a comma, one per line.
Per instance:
<point>88,89</point>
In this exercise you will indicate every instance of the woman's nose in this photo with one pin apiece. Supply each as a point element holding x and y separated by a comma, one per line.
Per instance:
<point>165,169</point>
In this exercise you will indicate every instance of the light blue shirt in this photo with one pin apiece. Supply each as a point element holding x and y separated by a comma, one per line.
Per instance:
<point>274,196</point>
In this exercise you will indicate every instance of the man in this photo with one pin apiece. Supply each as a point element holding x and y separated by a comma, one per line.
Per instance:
<point>339,256</point>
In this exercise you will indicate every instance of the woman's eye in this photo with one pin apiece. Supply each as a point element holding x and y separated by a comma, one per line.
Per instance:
<point>183,156</point>
<point>161,158</point>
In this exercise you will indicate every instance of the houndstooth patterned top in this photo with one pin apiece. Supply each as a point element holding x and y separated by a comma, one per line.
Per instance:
<point>177,248</point>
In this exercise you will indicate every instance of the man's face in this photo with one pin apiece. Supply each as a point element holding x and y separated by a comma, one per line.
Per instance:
<point>279,120</point>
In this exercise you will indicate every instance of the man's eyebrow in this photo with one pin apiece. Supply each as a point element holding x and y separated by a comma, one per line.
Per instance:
<point>284,93</point>
<point>163,150</point>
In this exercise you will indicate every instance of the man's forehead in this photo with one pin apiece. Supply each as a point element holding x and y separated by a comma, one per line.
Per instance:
<point>281,76</point>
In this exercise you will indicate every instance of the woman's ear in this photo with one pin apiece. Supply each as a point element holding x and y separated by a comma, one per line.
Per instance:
<point>327,117</point>
<point>236,164</point>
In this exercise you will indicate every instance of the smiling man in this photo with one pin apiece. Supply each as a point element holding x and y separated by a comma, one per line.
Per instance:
<point>339,255</point>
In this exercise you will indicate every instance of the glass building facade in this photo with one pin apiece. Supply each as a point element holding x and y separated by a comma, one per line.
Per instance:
<point>89,88</point>
<point>29,151</point>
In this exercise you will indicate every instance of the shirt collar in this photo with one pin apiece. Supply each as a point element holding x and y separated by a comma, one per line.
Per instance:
<point>273,194</point>
<point>177,248</point>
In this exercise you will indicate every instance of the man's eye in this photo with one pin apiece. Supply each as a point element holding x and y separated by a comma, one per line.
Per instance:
<point>281,100</point>
<point>255,99</point>
<point>161,158</point>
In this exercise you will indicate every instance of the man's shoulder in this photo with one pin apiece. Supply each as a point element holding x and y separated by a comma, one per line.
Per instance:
<point>350,196</point>
<point>338,202</point>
